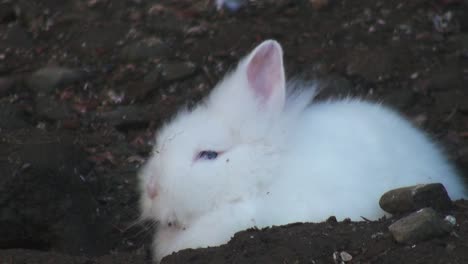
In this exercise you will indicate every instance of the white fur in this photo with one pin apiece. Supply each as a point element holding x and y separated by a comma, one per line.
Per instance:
<point>282,161</point>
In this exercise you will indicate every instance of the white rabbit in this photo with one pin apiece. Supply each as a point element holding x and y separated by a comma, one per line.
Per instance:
<point>253,155</point>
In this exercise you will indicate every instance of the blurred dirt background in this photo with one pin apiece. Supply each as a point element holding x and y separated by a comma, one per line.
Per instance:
<point>84,84</point>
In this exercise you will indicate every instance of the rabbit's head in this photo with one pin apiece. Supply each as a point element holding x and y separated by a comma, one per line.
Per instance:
<point>225,149</point>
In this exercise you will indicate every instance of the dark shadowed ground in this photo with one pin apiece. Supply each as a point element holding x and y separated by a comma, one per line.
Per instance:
<point>85,83</point>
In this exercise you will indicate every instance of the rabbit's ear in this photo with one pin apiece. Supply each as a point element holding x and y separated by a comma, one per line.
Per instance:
<point>265,75</point>
<point>255,89</point>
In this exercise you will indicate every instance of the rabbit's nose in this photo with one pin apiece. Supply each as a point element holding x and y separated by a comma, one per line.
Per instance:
<point>151,188</point>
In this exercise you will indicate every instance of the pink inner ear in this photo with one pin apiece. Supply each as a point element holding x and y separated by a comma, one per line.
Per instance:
<point>265,71</point>
<point>151,188</point>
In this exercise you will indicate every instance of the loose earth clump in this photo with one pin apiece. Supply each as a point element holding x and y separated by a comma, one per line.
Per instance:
<point>85,84</point>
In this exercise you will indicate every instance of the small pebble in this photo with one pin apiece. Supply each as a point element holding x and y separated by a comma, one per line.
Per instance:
<point>451,220</point>
<point>345,256</point>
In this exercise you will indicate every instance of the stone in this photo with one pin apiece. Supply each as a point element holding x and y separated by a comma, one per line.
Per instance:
<point>409,199</point>
<point>139,90</point>
<point>11,117</point>
<point>100,38</point>
<point>6,86</point>
<point>341,257</point>
<point>15,37</point>
<point>50,109</point>
<point>332,220</point>
<point>196,31</point>
<point>48,78</point>
<point>176,70</point>
<point>419,226</point>
<point>153,75</point>
<point>149,48</point>
<point>345,256</point>
<point>128,116</point>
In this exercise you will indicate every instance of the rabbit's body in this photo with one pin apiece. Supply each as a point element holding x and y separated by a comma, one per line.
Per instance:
<point>252,156</point>
<point>350,168</point>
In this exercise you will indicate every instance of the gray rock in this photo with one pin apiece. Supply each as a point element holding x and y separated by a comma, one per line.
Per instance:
<point>146,49</point>
<point>50,109</point>
<point>46,196</point>
<point>6,86</point>
<point>345,256</point>
<point>409,199</point>
<point>341,257</point>
<point>128,116</point>
<point>15,37</point>
<point>197,31</point>
<point>11,117</point>
<point>103,36</point>
<point>176,70</point>
<point>139,90</point>
<point>153,75</point>
<point>421,225</point>
<point>51,77</point>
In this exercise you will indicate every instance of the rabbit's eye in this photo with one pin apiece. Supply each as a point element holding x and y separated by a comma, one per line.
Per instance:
<point>207,155</point>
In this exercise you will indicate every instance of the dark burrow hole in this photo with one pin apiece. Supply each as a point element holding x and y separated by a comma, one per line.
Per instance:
<point>7,14</point>
<point>26,244</point>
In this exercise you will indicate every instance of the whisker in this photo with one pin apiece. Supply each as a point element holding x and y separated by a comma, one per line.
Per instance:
<point>145,228</point>
<point>138,221</point>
